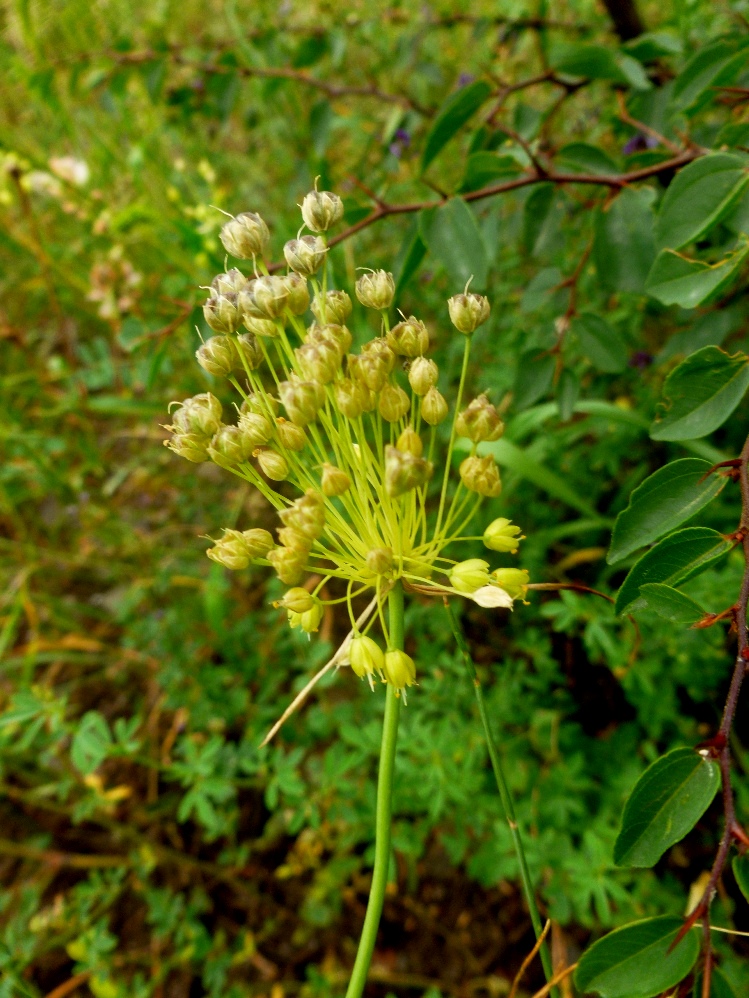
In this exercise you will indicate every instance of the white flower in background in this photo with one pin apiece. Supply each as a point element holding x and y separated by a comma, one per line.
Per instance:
<point>68,168</point>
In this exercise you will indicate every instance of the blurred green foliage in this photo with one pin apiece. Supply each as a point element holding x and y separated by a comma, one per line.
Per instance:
<point>147,844</point>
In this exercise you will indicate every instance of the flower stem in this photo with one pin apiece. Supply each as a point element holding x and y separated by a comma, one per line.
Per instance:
<point>504,792</point>
<point>384,810</point>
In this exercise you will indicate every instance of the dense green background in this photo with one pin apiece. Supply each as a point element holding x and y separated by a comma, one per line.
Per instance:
<point>144,838</point>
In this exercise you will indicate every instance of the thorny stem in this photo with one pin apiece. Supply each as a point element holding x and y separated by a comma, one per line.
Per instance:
<point>384,809</point>
<point>504,792</point>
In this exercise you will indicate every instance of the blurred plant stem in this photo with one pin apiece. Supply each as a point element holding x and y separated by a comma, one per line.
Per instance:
<point>384,809</point>
<point>504,793</point>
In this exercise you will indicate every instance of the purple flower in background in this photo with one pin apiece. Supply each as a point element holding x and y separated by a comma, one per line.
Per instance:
<point>641,359</point>
<point>638,142</point>
<point>401,142</point>
<point>464,79</point>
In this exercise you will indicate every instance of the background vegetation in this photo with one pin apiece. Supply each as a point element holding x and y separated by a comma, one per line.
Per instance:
<point>147,847</point>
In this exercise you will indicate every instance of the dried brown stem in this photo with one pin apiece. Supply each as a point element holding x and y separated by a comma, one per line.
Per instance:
<point>528,960</point>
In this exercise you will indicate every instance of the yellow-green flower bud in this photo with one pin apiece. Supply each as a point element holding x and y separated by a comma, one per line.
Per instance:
<point>229,283</point>
<point>393,403</point>
<point>199,414</point>
<point>245,236</point>
<point>404,471</point>
<point>265,297</point>
<point>334,481</point>
<point>261,327</point>
<point>351,398</point>
<point>298,600</point>
<point>380,561</point>
<point>514,581</point>
<point>369,370</point>
<point>365,656</point>
<point>306,255</point>
<point>262,404</point>
<point>192,446</point>
<point>410,442</point>
<point>292,437</point>
<point>229,447</point>
<point>319,361</point>
<point>298,300</point>
<point>272,464</point>
<point>422,375</point>
<point>301,399</point>
<point>321,210</point>
<point>255,428</point>
<point>409,338</point>
<point>502,535</point>
<point>376,290</point>
<point>237,548</point>
<point>295,540</point>
<point>249,351</point>
<point>307,514</point>
<point>222,313</point>
<point>480,474</point>
<point>468,576</point>
<point>289,564</point>
<point>335,306</point>
<point>434,408</point>
<point>468,311</point>
<point>308,621</point>
<point>479,421</point>
<point>218,356</point>
<point>399,669</point>
<point>331,332</point>
<point>378,347</point>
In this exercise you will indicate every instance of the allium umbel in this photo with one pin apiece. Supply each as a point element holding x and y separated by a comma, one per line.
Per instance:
<point>344,445</point>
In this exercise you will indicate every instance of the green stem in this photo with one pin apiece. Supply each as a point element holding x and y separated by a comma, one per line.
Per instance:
<point>504,791</point>
<point>384,810</point>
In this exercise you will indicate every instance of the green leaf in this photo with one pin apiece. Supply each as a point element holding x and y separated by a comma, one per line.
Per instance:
<point>670,603</point>
<point>666,499</point>
<point>536,211</point>
<point>652,45</point>
<point>599,62</point>
<point>635,962</point>
<point>667,802</point>
<point>483,167</point>
<point>408,260</point>
<point>451,234</point>
<point>533,379</point>
<point>699,197</point>
<point>741,873</point>
<point>91,743</point>
<point>454,113</point>
<point>579,157</point>
<point>543,291</point>
<point>709,66</point>
<point>673,560</point>
<point>568,392</point>
<point>623,246</point>
<point>701,394</point>
<point>677,280</point>
<point>602,345</point>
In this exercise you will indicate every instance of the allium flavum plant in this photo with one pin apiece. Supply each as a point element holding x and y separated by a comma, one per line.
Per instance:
<point>343,446</point>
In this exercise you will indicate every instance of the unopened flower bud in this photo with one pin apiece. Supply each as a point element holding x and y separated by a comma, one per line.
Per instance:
<point>272,464</point>
<point>298,600</point>
<point>321,210</point>
<point>351,397</point>
<point>422,375</point>
<point>366,656</point>
<point>199,414</point>
<point>222,313</point>
<point>237,548</point>
<point>409,338</point>
<point>262,404</point>
<point>468,576</point>
<point>410,442</point>
<point>292,437</point>
<point>479,421</point>
<point>335,306</point>
<point>376,290</point>
<point>308,621</point>
<point>378,347</point>
<point>265,297</point>
<point>306,514</point>
<point>404,471</point>
<point>255,428</point>
<point>229,283</point>
<point>261,327</point>
<point>298,300</point>
<point>399,669</point>
<point>249,351</point>
<point>192,446</point>
<point>380,561</point>
<point>434,408</point>
<point>295,540</point>
<point>480,474</point>
<point>369,370</point>
<point>229,447</point>
<point>502,535</point>
<point>306,255</point>
<point>468,311</point>
<point>319,361</point>
<point>245,236</point>
<point>218,356</point>
<point>331,332</point>
<point>301,399</point>
<point>289,564</point>
<point>514,581</point>
<point>393,403</point>
<point>334,481</point>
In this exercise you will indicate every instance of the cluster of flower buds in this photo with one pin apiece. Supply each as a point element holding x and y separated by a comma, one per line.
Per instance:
<point>351,435</point>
